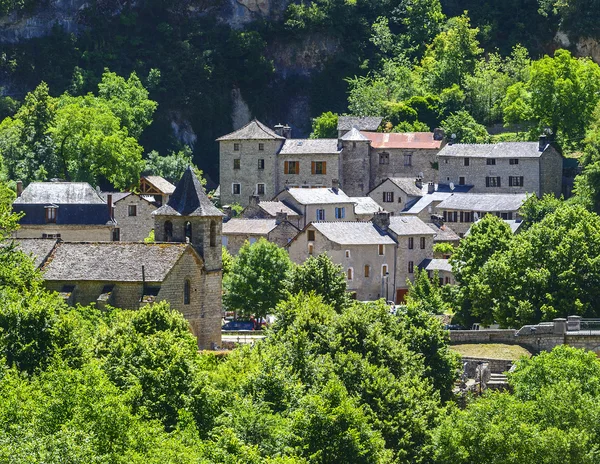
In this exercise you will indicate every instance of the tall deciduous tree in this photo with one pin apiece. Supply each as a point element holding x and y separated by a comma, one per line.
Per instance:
<point>320,275</point>
<point>325,126</point>
<point>255,284</point>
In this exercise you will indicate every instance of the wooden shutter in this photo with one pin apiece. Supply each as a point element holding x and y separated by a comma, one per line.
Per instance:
<point>510,182</point>
<point>462,216</point>
<point>297,167</point>
<point>498,183</point>
<point>487,181</point>
<point>521,181</point>
<point>313,168</point>
<point>324,167</point>
<point>286,168</point>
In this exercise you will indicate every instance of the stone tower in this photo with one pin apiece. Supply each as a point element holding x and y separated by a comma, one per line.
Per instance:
<point>190,217</point>
<point>355,163</point>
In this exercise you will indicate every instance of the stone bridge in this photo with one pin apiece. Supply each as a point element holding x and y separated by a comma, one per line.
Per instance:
<point>573,331</point>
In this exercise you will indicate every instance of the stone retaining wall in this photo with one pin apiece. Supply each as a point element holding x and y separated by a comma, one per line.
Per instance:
<point>497,366</point>
<point>484,336</point>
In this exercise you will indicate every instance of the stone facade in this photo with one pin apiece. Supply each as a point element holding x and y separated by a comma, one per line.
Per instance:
<point>355,163</point>
<point>309,211</point>
<point>392,198</point>
<point>408,162</point>
<point>509,167</point>
<point>66,232</point>
<point>278,231</point>
<point>133,215</point>
<point>253,163</point>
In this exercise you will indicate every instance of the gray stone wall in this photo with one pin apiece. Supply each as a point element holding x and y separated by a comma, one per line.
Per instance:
<point>234,242</point>
<point>366,288</point>
<point>421,161</point>
<point>134,228</point>
<point>249,174</point>
<point>305,175</point>
<point>496,366</point>
<point>551,171</point>
<point>283,234</point>
<point>355,167</point>
<point>452,168</point>
<point>68,233</point>
<point>400,197</point>
<point>507,336</point>
<point>405,255</point>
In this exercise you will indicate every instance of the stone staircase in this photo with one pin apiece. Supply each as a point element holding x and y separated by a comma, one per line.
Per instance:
<point>497,382</point>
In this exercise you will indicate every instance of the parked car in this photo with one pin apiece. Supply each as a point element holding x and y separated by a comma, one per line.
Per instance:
<point>238,325</point>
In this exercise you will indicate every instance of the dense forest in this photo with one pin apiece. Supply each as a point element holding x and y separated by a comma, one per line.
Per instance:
<point>292,61</point>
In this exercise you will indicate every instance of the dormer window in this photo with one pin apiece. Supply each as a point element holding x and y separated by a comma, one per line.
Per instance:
<point>51,213</point>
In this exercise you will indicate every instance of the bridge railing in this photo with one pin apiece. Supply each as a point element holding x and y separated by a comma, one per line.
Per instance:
<point>589,327</point>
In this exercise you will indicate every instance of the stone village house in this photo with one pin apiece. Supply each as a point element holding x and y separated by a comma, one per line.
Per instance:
<point>184,267</point>
<point>378,257</point>
<point>256,160</point>
<point>237,231</point>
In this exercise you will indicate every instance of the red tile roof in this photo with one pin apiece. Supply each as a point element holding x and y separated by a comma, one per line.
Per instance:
<point>403,140</point>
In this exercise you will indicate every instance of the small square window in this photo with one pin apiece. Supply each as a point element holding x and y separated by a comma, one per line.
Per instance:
<point>51,214</point>
<point>347,253</point>
<point>407,160</point>
<point>236,188</point>
<point>466,161</point>
<point>411,243</point>
<point>381,250</point>
<point>132,210</point>
<point>261,147</point>
<point>491,161</point>
<point>384,158</point>
<point>311,235</point>
<point>236,147</point>
<point>411,267</point>
<point>261,164</point>
<point>388,197</point>
<point>461,181</point>
<point>514,161</point>
<point>320,215</point>
<point>260,189</point>
<point>236,163</point>
<point>311,249</point>
<point>340,213</point>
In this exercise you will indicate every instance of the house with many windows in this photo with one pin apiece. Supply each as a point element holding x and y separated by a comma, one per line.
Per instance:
<point>507,167</point>
<point>258,160</point>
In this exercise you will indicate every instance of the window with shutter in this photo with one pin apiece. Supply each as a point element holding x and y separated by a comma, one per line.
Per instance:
<point>286,167</point>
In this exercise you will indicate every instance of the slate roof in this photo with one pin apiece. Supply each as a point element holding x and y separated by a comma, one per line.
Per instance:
<point>441,193</point>
<point>189,199</point>
<point>498,150</point>
<point>365,205</point>
<point>409,225</point>
<point>318,196</point>
<point>254,130</point>
<point>485,202</point>
<point>112,261</point>
<point>161,184</point>
<point>354,135</point>
<point>370,123</point>
<point>274,207</point>
<point>310,146</point>
<point>415,140</point>
<point>237,226</point>
<point>353,233</point>
<point>444,233</point>
<point>406,184</point>
<point>45,193</point>
<point>436,265</point>
<point>37,248</point>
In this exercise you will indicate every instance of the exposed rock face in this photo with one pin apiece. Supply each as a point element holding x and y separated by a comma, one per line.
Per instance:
<point>183,131</point>
<point>64,13</point>
<point>586,46</point>
<point>237,13</point>
<point>302,58</point>
<point>240,112</point>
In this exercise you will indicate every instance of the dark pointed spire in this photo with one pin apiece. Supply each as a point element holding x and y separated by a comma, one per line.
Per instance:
<point>189,199</point>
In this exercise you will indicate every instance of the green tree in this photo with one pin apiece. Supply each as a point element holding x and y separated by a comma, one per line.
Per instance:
<point>452,55</point>
<point>535,209</point>
<point>324,126</point>
<point>255,284</point>
<point>466,129</point>
<point>488,236</point>
<point>560,94</point>
<point>427,292</point>
<point>173,165</point>
<point>320,275</point>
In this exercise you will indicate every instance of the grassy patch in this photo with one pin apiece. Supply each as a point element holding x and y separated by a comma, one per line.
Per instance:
<point>491,350</point>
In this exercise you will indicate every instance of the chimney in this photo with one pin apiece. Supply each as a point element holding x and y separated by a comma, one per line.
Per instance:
<point>254,200</point>
<point>382,220</point>
<point>437,220</point>
<point>280,216</point>
<point>109,204</point>
<point>229,213</point>
<point>438,134</point>
<point>419,182</point>
<point>335,185</point>
<point>543,142</point>
<point>430,187</point>
<point>287,132</point>
<point>279,129</point>
<point>19,188</point>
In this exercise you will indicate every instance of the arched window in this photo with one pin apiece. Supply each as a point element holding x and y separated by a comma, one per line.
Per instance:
<point>349,273</point>
<point>213,234</point>
<point>168,231</point>
<point>188,231</point>
<point>186,292</point>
